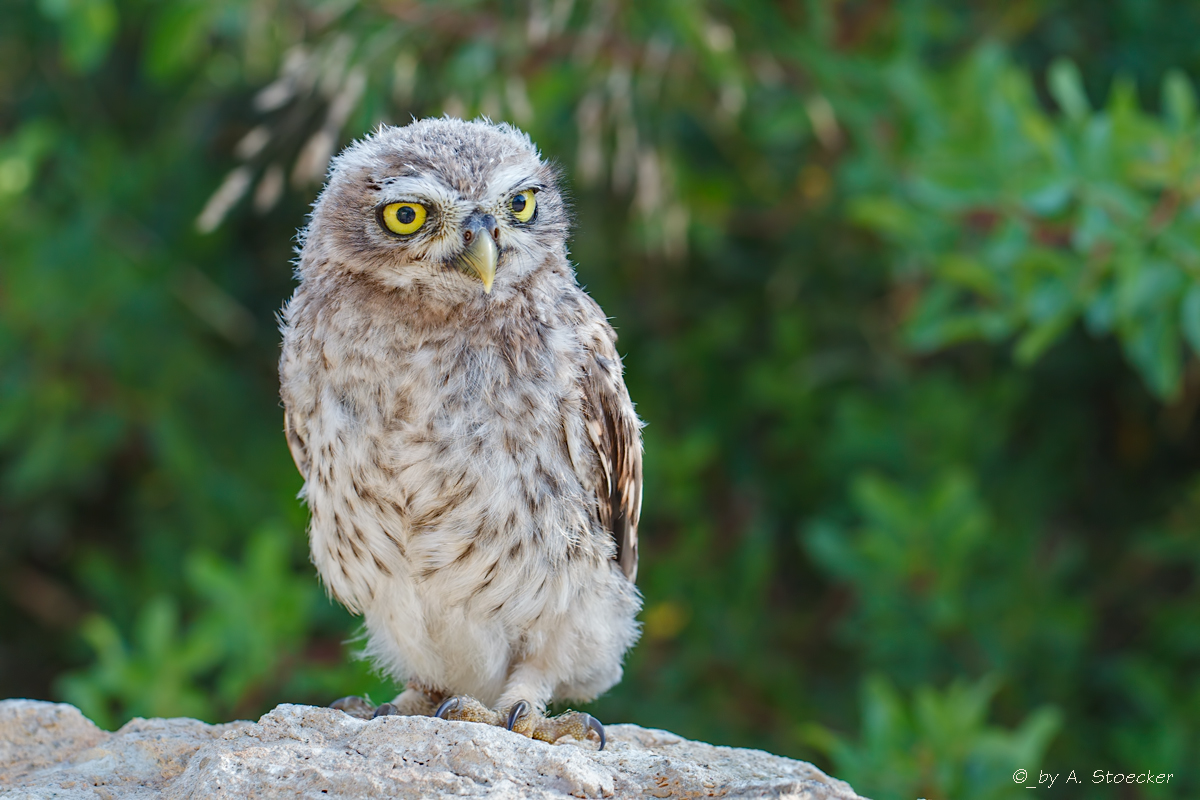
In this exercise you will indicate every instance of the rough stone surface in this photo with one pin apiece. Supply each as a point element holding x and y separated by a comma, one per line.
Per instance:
<point>52,750</point>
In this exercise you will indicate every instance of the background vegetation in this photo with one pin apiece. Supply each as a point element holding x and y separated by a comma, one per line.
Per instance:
<point>910,297</point>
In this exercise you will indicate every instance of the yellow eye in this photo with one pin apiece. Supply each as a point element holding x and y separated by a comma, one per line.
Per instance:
<point>402,218</point>
<point>524,205</point>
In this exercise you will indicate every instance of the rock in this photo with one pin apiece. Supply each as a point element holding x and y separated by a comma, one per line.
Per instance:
<point>52,750</point>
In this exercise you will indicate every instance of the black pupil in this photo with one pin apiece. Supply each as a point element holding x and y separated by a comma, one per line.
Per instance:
<point>519,203</point>
<point>406,215</point>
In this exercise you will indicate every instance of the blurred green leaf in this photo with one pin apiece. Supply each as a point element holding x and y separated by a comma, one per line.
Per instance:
<point>1179,99</point>
<point>938,744</point>
<point>88,28</point>
<point>1066,85</point>
<point>178,37</point>
<point>1190,315</point>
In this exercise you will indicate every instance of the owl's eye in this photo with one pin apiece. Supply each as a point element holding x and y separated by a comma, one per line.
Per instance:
<point>402,218</point>
<point>524,205</point>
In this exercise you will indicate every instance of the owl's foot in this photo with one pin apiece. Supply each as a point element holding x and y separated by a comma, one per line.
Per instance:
<point>411,702</point>
<point>354,706</point>
<point>523,719</point>
<point>462,708</point>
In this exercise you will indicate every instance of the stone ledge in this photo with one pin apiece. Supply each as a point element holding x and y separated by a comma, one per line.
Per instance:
<point>52,750</point>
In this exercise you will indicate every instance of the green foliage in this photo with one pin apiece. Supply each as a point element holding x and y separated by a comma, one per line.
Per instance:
<point>245,642</point>
<point>940,745</point>
<point>914,563</point>
<point>1014,224</point>
<point>908,295</point>
<point>87,28</point>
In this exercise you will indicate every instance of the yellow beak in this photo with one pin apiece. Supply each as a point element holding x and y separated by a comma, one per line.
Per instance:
<point>479,259</point>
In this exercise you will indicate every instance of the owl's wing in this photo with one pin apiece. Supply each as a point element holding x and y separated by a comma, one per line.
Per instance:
<point>296,444</point>
<point>615,433</point>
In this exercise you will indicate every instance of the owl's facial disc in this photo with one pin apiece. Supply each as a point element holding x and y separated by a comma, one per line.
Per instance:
<point>481,250</point>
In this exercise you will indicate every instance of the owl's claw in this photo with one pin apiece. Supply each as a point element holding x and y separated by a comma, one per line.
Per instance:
<point>385,710</point>
<point>448,705</point>
<point>519,710</point>
<point>595,725</point>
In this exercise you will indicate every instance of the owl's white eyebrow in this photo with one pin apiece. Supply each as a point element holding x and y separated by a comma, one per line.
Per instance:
<point>527,183</point>
<point>415,187</point>
<point>510,179</point>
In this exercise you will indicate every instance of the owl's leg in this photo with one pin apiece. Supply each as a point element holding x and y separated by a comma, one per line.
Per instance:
<point>524,701</point>
<point>523,681</point>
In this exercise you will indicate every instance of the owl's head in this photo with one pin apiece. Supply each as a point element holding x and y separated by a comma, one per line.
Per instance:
<point>465,209</point>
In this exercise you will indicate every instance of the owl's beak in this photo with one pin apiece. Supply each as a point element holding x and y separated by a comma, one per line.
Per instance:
<point>479,256</point>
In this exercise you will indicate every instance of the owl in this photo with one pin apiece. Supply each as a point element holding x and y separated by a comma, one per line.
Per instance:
<point>455,404</point>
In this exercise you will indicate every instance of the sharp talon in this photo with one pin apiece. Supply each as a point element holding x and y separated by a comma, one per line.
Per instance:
<point>594,724</point>
<point>385,710</point>
<point>448,705</point>
<point>520,709</point>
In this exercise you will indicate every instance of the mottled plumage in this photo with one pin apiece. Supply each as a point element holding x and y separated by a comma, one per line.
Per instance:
<point>471,457</point>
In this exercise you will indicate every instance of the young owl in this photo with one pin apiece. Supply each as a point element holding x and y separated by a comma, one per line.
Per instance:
<point>455,403</point>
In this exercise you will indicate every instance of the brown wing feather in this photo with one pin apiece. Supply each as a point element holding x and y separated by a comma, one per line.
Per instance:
<point>296,444</point>
<point>615,433</point>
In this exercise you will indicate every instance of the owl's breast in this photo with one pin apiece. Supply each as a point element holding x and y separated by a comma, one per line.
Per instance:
<point>482,451</point>
<point>441,462</point>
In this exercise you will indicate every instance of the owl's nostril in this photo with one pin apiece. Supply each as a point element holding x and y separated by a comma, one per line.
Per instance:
<point>480,224</point>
